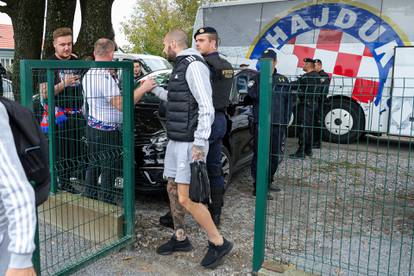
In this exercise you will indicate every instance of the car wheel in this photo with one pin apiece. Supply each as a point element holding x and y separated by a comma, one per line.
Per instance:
<point>344,122</point>
<point>226,166</point>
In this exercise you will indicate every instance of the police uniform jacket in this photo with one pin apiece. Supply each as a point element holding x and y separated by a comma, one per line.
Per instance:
<point>325,81</point>
<point>281,98</point>
<point>222,79</point>
<point>309,87</point>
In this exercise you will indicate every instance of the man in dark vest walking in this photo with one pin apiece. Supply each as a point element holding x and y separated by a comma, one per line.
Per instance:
<point>189,114</point>
<point>221,73</point>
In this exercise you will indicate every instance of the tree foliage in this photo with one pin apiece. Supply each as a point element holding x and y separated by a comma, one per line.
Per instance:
<point>152,19</point>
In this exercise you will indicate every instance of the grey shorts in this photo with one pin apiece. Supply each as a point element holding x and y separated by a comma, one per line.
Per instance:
<point>177,161</point>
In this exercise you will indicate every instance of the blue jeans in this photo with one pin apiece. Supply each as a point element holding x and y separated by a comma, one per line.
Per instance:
<point>214,167</point>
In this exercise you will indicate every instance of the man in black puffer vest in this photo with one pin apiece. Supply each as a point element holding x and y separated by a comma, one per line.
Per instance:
<point>222,79</point>
<point>190,114</point>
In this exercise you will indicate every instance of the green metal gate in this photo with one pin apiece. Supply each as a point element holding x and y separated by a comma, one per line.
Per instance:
<point>347,210</point>
<point>82,220</point>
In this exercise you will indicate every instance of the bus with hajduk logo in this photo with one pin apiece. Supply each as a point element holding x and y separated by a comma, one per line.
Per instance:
<point>365,46</point>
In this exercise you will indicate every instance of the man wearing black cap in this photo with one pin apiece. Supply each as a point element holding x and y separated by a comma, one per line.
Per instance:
<point>308,87</point>
<point>318,123</point>
<point>281,108</point>
<point>206,39</point>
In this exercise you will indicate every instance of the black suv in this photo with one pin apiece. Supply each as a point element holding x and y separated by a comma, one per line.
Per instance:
<point>151,139</point>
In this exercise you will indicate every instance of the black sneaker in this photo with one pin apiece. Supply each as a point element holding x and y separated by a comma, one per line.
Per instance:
<point>173,246</point>
<point>215,254</point>
<point>167,220</point>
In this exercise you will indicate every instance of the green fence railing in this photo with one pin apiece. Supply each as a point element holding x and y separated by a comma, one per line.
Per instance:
<point>347,209</point>
<point>90,210</point>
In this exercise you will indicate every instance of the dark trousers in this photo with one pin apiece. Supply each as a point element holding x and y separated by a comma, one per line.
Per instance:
<point>306,116</point>
<point>278,138</point>
<point>318,123</point>
<point>70,149</point>
<point>105,160</point>
<point>218,130</point>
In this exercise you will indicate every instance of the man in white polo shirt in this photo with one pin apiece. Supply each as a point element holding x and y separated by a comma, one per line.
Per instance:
<point>104,110</point>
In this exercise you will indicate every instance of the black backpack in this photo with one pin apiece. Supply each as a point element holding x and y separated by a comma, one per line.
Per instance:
<point>31,146</point>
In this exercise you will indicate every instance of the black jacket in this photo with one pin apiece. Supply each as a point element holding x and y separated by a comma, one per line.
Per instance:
<point>325,81</point>
<point>222,79</point>
<point>281,98</point>
<point>308,87</point>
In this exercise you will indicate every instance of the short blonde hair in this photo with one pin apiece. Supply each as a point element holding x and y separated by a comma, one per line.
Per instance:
<point>64,31</point>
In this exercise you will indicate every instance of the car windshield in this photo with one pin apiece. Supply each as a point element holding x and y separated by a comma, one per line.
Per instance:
<point>156,64</point>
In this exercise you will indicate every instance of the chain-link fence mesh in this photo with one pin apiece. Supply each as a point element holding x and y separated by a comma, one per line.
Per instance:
<point>85,110</point>
<point>346,203</point>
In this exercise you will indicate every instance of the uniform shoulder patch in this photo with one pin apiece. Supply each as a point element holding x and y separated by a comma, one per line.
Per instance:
<point>228,74</point>
<point>251,83</point>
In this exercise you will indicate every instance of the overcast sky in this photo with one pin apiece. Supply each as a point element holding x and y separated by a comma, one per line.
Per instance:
<point>121,11</point>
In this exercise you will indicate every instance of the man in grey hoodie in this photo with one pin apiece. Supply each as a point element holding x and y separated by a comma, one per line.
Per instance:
<point>190,113</point>
<point>17,208</point>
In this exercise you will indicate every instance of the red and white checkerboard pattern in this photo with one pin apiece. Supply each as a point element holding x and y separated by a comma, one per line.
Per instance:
<point>342,56</point>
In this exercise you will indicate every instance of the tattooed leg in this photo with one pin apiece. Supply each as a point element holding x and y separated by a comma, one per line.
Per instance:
<point>177,211</point>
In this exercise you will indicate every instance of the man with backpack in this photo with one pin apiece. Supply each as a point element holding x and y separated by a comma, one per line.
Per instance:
<point>17,207</point>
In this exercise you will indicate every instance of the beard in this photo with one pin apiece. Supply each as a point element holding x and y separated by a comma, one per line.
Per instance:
<point>63,55</point>
<point>170,54</point>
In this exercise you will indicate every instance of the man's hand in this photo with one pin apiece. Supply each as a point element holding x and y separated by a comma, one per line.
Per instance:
<point>148,84</point>
<point>21,272</point>
<point>70,79</point>
<point>197,153</point>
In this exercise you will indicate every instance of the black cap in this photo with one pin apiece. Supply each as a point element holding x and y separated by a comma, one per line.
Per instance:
<point>308,60</point>
<point>205,30</point>
<point>269,53</point>
<point>317,61</point>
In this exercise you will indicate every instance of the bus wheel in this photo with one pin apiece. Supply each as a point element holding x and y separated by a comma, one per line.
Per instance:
<point>344,121</point>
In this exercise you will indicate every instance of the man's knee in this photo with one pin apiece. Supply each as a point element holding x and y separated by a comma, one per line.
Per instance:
<point>184,200</point>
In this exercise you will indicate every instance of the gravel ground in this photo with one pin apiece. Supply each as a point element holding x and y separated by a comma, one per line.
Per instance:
<point>347,211</point>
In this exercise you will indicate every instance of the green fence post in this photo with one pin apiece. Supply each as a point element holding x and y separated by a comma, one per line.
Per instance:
<point>51,127</point>
<point>262,177</point>
<point>128,150</point>
<point>26,84</point>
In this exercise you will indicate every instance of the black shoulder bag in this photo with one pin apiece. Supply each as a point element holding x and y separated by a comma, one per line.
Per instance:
<point>199,184</point>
